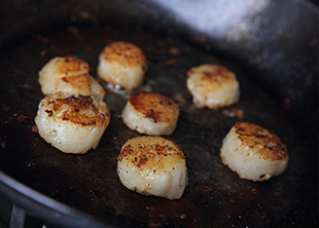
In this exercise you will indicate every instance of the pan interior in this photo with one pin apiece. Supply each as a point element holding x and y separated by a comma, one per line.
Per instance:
<point>214,197</point>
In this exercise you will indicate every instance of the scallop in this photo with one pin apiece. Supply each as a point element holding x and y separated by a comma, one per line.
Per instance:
<point>73,124</point>
<point>254,152</point>
<point>153,165</point>
<point>122,64</point>
<point>65,74</point>
<point>69,75</point>
<point>212,86</point>
<point>150,113</point>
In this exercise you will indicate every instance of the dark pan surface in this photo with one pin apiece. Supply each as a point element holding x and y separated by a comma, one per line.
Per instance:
<point>215,196</point>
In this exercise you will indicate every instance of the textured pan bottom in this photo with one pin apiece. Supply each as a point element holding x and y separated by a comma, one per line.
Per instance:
<point>215,196</point>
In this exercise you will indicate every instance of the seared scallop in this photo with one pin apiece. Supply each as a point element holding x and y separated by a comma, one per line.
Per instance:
<point>152,165</point>
<point>254,152</point>
<point>65,74</point>
<point>73,124</point>
<point>69,75</point>
<point>212,86</point>
<point>122,64</point>
<point>61,67</point>
<point>150,113</point>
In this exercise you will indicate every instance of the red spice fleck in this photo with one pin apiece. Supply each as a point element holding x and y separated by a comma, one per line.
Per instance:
<point>208,74</point>
<point>126,151</point>
<point>50,113</point>
<point>83,101</point>
<point>35,129</point>
<point>141,162</point>
<point>153,116</point>
<point>65,79</point>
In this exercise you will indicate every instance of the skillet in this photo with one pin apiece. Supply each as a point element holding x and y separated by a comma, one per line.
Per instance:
<point>215,196</point>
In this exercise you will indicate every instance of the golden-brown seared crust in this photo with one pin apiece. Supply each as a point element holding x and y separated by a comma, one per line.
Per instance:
<point>153,106</point>
<point>78,110</point>
<point>212,86</point>
<point>124,53</point>
<point>80,82</point>
<point>252,135</point>
<point>212,77</point>
<point>148,156</point>
<point>70,65</point>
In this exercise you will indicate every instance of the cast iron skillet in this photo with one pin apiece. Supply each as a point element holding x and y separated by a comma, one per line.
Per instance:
<point>273,70</point>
